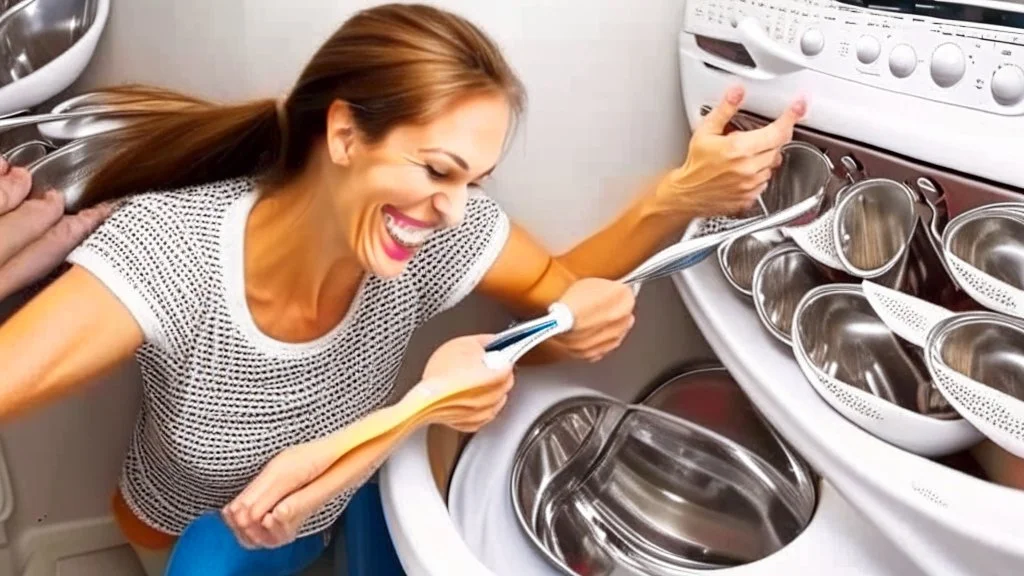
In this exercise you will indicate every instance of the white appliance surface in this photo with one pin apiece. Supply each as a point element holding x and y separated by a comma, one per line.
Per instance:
<point>958,103</point>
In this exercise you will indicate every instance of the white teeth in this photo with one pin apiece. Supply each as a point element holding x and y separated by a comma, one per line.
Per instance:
<point>408,236</point>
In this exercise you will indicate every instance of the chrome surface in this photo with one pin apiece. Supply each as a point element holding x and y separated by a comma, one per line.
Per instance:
<point>692,251</point>
<point>991,240</point>
<point>36,32</point>
<point>781,279</point>
<point>844,338</point>
<point>27,153</point>
<point>691,480</point>
<point>805,172</point>
<point>874,222</point>
<point>68,169</point>
<point>739,258</point>
<point>986,347</point>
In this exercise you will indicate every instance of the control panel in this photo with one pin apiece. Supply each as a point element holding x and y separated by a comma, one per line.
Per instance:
<point>972,64</point>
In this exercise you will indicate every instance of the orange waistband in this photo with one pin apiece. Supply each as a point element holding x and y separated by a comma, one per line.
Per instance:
<point>135,530</point>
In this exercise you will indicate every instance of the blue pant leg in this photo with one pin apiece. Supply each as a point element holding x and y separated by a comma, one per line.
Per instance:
<point>208,547</point>
<point>368,547</point>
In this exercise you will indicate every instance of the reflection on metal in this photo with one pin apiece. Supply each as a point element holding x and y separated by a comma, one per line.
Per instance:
<point>692,479</point>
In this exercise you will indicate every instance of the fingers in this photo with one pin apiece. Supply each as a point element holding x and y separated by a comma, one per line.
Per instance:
<point>28,222</point>
<point>5,166</point>
<point>773,135</point>
<point>717,120</point>
<point>15,184</point>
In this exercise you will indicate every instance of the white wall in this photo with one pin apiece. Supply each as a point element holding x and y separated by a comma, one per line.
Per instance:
<point>605,112</point>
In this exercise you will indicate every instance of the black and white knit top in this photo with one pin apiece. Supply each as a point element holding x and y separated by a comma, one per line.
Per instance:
<point>220,397</point>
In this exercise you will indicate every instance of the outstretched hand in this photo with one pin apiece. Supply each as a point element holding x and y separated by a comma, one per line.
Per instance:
<point>35,234</point>
<point>725,172</point>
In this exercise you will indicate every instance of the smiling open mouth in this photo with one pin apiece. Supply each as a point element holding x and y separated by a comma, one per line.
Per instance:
<point>404,234</point>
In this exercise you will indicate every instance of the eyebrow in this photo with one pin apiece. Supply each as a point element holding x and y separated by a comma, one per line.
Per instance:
<point>455,157</point>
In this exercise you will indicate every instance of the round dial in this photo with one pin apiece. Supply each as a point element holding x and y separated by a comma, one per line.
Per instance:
<point>868,49</point>
<point>948,65</point>
<point>1008,85</point>
<point>902,61</point>
<point>812,42</point>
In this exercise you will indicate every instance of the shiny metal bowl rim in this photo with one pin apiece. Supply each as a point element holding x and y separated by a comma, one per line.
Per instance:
<point>848,289</point>
<point>724,250</point>
<point>1008,210</point>
<point>846,198</point>
<point>942,328</point>
<point>772,254</point>
<point>586,399</point>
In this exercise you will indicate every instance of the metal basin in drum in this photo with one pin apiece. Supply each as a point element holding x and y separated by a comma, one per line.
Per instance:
<point>992,241</point>
<point>691,480</point>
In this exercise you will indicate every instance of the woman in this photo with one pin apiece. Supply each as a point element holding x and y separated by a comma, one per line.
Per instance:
<point>269,262</point>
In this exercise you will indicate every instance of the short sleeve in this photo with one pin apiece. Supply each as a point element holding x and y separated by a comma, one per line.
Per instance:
<point>452,263</point>
<point>143,253</point>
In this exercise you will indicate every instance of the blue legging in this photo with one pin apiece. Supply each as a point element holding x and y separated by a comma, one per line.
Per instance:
<point>207,547</point>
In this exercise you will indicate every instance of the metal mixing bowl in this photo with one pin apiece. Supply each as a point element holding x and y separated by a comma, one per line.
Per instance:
<point>694,480</point>
<point>874,222</point>
<point>27,153</point>
<point>991,240</point>
<point>34,33</point>
<point>986,347</point>
<point>739,258</point>
<point>68,169</point>
<point>780,280</point>
<point>843,337</point>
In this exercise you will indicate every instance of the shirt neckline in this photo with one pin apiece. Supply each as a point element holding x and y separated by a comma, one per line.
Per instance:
<point>233,262</point>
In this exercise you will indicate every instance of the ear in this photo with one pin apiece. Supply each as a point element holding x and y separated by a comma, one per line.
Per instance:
<point>341,132</point>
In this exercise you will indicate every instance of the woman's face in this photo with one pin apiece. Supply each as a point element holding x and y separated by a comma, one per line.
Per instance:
<point>396,193</point>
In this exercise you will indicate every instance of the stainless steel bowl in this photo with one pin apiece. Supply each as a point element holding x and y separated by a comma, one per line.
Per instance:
<point>986,347</point>
<point>991,240</point>
<point>780,281</point>
<point>874,222</point>
<point>843,337</point>
<point>68,169</point>
<point>694,480</point>
<point>739,258</point>
<point>34,33</point>
<point>27,153</point>
<point>805,172</point>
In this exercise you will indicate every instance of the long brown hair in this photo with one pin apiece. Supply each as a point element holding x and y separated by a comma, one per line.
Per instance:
<point>393,64</point>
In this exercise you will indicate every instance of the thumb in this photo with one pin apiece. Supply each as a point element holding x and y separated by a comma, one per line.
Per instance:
<point>717,120</point>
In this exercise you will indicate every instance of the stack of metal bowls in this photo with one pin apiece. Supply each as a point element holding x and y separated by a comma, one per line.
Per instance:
<point>804,283</point>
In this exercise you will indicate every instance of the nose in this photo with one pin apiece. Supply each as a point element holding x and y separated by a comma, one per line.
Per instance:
<point>451,204</point>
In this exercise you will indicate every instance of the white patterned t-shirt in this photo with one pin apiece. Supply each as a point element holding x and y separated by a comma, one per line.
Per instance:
<point>221,398</point>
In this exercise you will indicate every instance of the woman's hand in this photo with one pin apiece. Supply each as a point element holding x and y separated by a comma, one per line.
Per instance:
<point>37,236</point>
<point>292,468</point>
<point>301,479</point>
<point>724,173</point>
<point>460,362</point>
<point>603,313</point>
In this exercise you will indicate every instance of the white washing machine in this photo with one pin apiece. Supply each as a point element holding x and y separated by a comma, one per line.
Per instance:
<point>907,88</point>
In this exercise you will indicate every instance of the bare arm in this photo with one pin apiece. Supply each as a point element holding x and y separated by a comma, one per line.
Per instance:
<point>71,333</point>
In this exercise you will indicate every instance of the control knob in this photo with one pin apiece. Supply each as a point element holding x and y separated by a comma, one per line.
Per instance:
<point>812,42</point>
<point>902,61</point>
<point>868,49</point>
<point>1008,85</point>
<point>948,65</point>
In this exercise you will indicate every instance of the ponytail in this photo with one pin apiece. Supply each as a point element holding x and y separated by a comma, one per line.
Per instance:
<point>185,141</point>
<point>395,64</point>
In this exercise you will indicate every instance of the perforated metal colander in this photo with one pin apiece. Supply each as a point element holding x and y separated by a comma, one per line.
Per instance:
<point>984,252</point>
<point>976,360</point>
